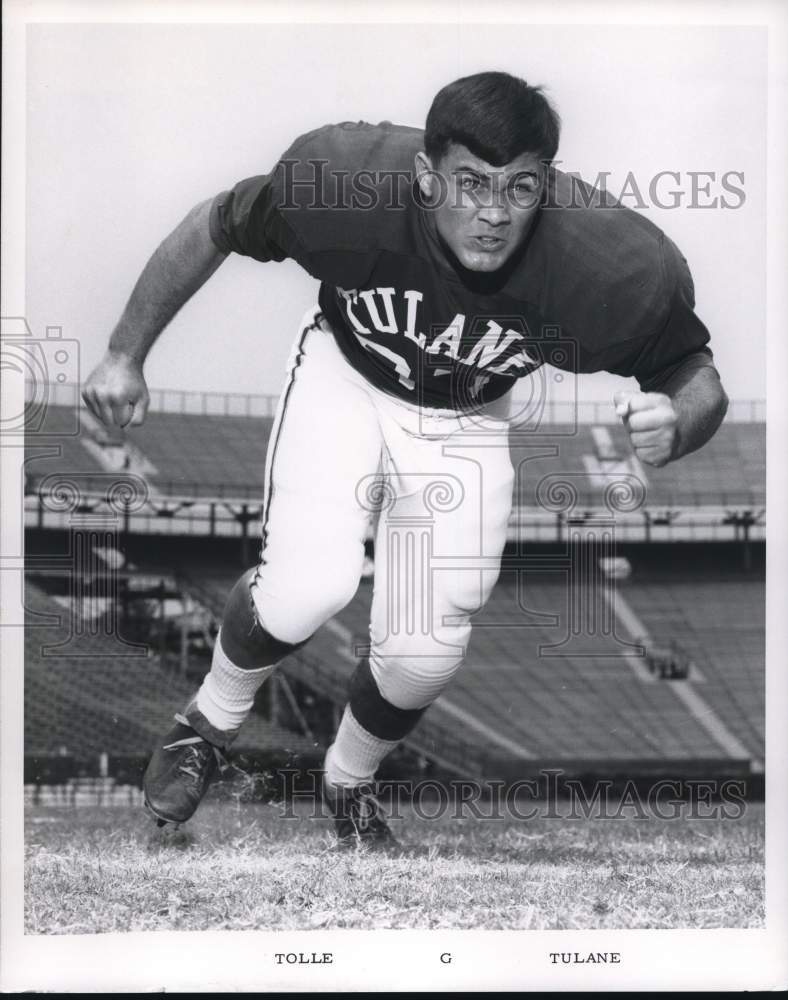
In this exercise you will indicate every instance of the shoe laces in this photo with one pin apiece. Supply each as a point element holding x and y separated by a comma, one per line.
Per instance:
<point>197,754</point>
<point>194,761</point>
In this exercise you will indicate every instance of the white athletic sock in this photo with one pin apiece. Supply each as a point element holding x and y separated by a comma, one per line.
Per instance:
<point>227,693</point>
<point>355,755</point>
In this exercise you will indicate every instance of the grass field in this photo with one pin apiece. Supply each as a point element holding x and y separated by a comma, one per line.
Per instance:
<point>243,866</point>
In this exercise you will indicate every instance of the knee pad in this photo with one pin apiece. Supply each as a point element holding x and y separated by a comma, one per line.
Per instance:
<point>297,591</point>
<point>464,593</point>
<point>412,668</point>
<point>244,639</point>
<point>376,714</point>
<point>413,682</point>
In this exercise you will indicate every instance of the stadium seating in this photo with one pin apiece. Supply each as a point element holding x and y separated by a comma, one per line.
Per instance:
<point>720,625</point>
<point>554,706</point>
<point>519,688</point>
<point>564,707</point>
<point>205,455</point>
<point>66,452</point>
<point>224,456</point>
<point>100,702</point>
<point>192,454</point>
<point>729,470</point>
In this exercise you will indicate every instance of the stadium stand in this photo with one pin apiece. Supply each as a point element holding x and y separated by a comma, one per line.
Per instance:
<point>63,450</point>
<point>720,625</point>
<point>188,454</point>
<point>728,470</point>
<point>558,706</point>
<point>224,456</point>
<point>524,699</point>
<point>196,454</point>
<point>517,698</point>
<point>99,702</point>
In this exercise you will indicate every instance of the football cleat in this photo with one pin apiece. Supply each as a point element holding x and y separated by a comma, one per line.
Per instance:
<point>179,773</point>
<point>359,820</point>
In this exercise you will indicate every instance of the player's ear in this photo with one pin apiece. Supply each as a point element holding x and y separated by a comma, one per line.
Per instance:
<point>425,174</point>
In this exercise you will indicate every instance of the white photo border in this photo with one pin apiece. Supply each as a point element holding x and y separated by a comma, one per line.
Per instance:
<point>405,960</point>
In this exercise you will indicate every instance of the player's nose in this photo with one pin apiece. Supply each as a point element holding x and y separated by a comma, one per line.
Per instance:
<point>495,212</point>
<point>494,215</point>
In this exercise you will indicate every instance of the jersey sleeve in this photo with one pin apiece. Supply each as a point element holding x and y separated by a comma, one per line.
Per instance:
<point>326,203</point>
<point>681,340</point>
<point>246,220</point>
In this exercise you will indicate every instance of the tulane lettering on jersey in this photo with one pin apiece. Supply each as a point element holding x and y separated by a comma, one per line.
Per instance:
<point>342,203</point>
<point>388,322</point>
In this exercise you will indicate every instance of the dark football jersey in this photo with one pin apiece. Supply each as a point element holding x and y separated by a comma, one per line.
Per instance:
<point>595,287</point>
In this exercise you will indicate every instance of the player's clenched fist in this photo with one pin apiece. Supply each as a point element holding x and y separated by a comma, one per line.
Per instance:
<point>116,392</point>
<point>651,421</point>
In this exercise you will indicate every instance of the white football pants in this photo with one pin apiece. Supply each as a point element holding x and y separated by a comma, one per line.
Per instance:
<point>341,454</point>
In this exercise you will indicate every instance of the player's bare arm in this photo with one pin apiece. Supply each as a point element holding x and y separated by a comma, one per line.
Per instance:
<point>116,392</point>
<point>664,426</point>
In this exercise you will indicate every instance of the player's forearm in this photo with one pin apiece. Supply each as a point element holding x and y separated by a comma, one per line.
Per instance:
<point>177,269</point>
<point>700,403</point>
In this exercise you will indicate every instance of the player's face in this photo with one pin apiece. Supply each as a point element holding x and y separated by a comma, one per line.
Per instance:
<point>482,212</point>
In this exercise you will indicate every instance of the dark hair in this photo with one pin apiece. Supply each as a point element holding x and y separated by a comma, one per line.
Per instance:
<point>496,115</point>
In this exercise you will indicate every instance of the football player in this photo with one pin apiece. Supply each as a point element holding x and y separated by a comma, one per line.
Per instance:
<point>442,255</point>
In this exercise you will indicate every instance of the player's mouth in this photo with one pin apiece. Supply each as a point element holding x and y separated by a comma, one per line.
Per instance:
<point>488,244</point>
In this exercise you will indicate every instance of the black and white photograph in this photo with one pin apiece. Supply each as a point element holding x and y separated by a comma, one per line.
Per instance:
<point>390,596</point>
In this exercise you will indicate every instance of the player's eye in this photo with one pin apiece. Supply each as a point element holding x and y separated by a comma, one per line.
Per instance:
<point>469,182</point>
<point>525,185</point>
